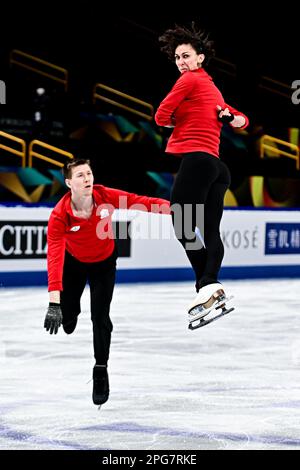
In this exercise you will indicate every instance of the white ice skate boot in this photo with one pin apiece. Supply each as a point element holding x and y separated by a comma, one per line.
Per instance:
<point>209,299</point>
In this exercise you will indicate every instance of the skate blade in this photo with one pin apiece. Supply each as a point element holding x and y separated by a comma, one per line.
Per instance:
<point>99,407</point>
<point>203,322</point>
<point>199,312</point>
<point>222,302</point>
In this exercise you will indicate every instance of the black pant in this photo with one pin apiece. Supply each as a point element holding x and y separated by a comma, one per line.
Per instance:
<point>101,277</point>
<point>202,180</point>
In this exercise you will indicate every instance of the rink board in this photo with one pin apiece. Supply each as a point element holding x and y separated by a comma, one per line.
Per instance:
<point>258,243</point>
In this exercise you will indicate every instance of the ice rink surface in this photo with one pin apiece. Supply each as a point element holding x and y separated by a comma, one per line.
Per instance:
<point>234,384</point>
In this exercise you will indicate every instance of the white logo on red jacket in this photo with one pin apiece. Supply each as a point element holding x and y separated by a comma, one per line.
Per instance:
<point>104,213</point>
<point>75,228</point>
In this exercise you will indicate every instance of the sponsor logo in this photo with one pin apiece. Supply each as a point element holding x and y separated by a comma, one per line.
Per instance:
<point>28,239</point>
<point>20,239</point>
<point>282,238</point>
<point>75,228</point>
<point>104,213</point>
<point>240,239</point>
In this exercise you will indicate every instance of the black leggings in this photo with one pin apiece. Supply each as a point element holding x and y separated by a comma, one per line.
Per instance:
<point>202,180</point>
<point>101,277</point>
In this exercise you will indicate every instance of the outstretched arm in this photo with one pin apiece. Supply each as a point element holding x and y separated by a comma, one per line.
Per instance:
<point>55,259</point>
<point>54,296</point>
<point>55,255</point>
<point>124,200</point>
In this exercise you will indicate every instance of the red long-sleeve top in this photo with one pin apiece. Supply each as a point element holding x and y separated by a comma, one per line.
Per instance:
<point>90,240</point>
<point>191,106</point>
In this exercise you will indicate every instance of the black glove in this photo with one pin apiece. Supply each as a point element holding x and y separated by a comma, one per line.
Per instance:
<point>226,118</point>
<point>53,318</point>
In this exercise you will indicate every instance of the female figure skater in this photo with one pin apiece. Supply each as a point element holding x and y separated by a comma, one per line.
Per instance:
<point>196,109</point>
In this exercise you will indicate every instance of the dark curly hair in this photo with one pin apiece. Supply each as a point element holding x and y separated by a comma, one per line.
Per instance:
<point>199,40</point>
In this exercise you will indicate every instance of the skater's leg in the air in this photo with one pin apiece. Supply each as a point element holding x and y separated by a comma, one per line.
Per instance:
<point>197,173</point>
<point>199,190</point>
<point>213,211</point>
<point>209,289</point>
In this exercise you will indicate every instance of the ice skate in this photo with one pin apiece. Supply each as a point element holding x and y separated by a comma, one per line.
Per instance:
<point>209,299</point>
<point>100,385</point>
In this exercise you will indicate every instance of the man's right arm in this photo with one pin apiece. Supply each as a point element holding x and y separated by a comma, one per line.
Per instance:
<point>55,260</point>
<point>55,255</point>
<point>54,296</point>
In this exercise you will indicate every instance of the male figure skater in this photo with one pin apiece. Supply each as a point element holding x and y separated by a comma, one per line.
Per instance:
<point>81,248</point>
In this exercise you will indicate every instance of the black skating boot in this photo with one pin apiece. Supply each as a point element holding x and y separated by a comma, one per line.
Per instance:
<point>101,385</point>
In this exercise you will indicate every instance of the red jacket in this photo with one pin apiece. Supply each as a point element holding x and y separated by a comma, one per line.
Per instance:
<point>90,240</point>
<point>191,106</point>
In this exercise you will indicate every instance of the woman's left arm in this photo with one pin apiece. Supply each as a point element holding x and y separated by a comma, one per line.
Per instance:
<point>240,120</point>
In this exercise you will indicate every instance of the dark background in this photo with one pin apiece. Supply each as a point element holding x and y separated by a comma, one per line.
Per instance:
<point>118,46</point>
<point>95,41</point>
